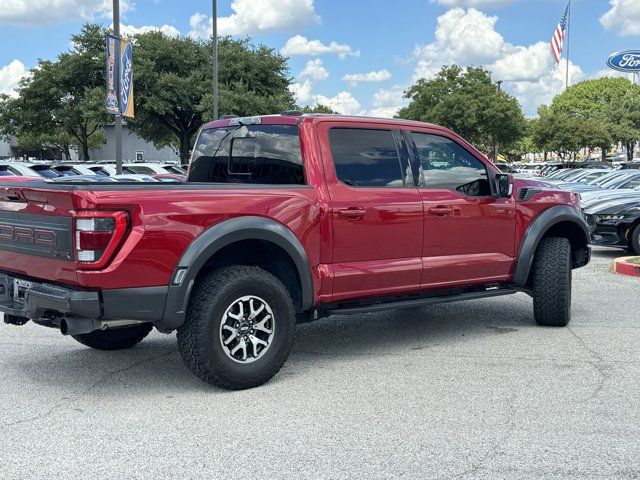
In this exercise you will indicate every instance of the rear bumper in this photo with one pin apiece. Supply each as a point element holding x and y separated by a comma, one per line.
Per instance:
<point>34,300</point>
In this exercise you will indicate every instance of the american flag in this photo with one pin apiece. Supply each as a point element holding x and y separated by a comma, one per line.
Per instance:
<point>557,42</point>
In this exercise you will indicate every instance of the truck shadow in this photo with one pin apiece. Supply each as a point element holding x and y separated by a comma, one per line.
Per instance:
<point>155,365</point>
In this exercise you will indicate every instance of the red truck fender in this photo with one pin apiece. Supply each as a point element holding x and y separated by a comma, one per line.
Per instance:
<point>559,221</point>
<point>224,234</point>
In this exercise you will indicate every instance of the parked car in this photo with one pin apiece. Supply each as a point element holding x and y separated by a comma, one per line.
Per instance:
<point>21,169</point>
<point>73,169</point>
<point>170,178</point>
<point>616,223</point>
<point>152,168</point>
<point>286,219</point>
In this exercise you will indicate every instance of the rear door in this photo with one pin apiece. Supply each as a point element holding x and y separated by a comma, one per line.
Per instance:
<point>469,235</point>
<point>376,211</point>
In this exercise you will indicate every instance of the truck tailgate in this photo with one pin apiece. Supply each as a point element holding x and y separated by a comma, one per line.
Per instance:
<point>36,233</point>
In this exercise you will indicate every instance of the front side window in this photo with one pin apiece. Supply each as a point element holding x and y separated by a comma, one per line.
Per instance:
<point>445,165</point>
<point>366,158</point>
<point>253,154</point>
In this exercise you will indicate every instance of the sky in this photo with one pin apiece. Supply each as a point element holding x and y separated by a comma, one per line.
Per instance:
<point>357,56</point>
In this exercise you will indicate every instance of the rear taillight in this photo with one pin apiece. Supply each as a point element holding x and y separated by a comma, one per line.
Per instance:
<point>98,235</point>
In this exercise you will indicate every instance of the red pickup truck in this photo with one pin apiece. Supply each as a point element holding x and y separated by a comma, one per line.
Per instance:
<point>284,219</point>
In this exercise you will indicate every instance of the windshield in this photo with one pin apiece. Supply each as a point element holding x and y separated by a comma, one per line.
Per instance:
<point>256,154</point>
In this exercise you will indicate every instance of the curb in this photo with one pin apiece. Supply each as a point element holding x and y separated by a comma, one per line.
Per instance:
<point>624,267</point>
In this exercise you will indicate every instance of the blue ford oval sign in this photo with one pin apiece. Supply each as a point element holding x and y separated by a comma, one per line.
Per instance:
<point>628,61</point>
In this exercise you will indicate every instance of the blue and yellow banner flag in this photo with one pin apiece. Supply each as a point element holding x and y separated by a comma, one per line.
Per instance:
<point>119,77</point>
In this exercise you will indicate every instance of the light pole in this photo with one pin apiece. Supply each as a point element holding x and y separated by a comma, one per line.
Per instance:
<point>495,149</point>
<point>118,118</point>
<point>214,23</point>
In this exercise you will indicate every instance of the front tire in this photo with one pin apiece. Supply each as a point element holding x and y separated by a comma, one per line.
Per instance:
<point>116,339</point>
<point>552,282</point>
<point>239,328</point>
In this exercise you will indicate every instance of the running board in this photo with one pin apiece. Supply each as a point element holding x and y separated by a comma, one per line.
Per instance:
<point>418,302</point>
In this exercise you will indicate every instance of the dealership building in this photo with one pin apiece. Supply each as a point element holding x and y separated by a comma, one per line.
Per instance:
<point>134,148</point>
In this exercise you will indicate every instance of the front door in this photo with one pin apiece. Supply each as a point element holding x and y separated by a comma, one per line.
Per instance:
<point>376,211</point>
<point>469,235</point>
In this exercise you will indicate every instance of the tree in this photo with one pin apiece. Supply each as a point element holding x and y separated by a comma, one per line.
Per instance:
<point>173,85</point>
<point>318,108</point>
<point>468,102</point>
<point>601,101</point>
<point>565,134</point>
<point>60,104</point>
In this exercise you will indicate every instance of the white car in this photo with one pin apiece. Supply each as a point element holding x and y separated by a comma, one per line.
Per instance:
<point>21,169</point>
<point>153,168</point>
<point>69,170</point>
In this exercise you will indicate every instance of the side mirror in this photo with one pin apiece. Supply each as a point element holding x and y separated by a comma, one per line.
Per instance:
<point>503,185</point>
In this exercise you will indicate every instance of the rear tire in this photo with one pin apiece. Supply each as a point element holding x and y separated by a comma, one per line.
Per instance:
<point>116,339</point>
<point>239,328</point>
<point>552,282</point>
<point>634,240</point>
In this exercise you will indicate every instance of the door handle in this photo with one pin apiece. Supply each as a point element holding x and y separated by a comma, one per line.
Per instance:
<point>440,211</point>
<point>352,213</point>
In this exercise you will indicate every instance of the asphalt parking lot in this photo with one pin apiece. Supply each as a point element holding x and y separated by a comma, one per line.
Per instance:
<point>467,390</point>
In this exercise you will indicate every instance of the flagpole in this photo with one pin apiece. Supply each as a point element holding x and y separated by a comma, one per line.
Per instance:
<point>568,45</point>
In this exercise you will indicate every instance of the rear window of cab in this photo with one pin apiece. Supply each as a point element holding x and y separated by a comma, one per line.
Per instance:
<point>251,154</point>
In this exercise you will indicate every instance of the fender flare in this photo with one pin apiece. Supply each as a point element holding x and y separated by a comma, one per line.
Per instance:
<point>536,231</point>
<point>218,237</point>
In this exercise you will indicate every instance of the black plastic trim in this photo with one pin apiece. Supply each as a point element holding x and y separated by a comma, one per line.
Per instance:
<point>40,298</point>
<point>141,303</point>
<point>418,302</point>
<point>218,237</point>
<point>144,303</point>
<point>536,231</point>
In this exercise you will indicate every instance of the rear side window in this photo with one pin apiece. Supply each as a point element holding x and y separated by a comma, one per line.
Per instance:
<point>139,170</point>
<point>366,157</point>
<point>253,154</point>
<point>445,165</point>
<point>632,183</point>
<point>45,171</point>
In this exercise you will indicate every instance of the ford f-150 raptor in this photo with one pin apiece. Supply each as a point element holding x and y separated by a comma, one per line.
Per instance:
<point>284,219</point>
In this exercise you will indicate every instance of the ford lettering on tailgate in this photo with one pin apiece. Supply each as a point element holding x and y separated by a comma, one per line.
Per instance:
<point>39,235</point>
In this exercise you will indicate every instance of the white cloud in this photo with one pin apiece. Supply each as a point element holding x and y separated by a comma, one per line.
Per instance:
<point>299,45</point>
<point>344,103</point>
<point>10,76</point>
<point>375,76</point>
<point>475,3</point>
<point>468,38</point>
<point>623,16</point>
<point>314,71</point>
<point>129,30</point>
<point>386,102</point>
<point>37,12</point>
<point>302,92</point>
<point>250,17</point>
<point>532,94</point>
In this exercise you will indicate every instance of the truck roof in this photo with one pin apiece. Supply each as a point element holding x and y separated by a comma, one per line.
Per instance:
<point>296,118</point>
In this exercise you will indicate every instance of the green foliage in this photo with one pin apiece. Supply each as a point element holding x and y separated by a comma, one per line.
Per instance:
<point>318,108</point>
<point>470,103</point>
<point>174,90</point>
<point>557,131</point>
<point>608,102</point>
<point>60,104</point>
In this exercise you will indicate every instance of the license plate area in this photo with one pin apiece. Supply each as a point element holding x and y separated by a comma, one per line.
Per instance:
<point>20,288</point>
